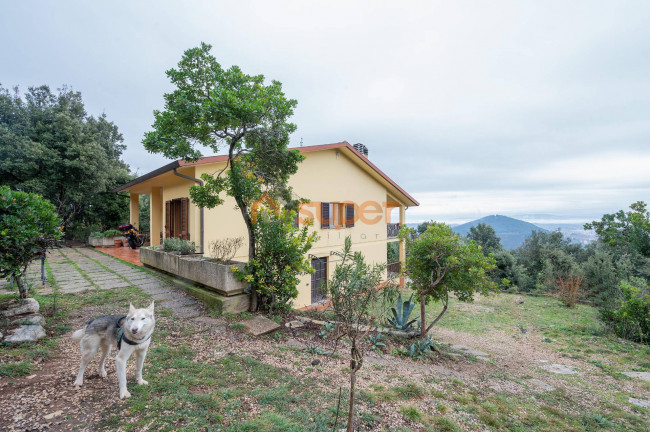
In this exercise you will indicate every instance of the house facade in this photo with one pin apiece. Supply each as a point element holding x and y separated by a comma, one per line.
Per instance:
<point>349,196</point>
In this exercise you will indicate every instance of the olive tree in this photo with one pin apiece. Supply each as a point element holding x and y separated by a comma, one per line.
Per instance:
<point>28,224</point>
<point>439,262</point>
<point>354,290</point>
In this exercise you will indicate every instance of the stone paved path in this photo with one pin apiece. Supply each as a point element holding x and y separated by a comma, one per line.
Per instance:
<point>79,269</point>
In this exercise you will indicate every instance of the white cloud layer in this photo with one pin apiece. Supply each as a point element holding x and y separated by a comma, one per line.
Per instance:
<point>538,106</point>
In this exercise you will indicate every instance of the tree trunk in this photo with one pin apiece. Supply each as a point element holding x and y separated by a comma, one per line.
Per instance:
<point>353,380</point>
<point>445,302</point>
<point>243,208</point>
<point>22,288</point>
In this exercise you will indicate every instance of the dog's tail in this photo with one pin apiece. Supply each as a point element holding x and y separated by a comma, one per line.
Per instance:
<point>76,336</point>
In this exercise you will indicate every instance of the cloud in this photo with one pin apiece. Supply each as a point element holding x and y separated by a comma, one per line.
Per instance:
<point>512,99</point>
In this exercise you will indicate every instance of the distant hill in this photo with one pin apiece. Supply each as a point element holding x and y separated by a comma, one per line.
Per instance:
<point>512,231</point>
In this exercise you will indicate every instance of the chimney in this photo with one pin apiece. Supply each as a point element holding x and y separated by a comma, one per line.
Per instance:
<point>361,149</point>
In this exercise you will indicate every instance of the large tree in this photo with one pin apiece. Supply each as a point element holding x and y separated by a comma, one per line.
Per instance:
<point>49,145</point>
<point>226,109</point>
<point>627,230</point>
<point>438,263</point>
<point>485,236</point>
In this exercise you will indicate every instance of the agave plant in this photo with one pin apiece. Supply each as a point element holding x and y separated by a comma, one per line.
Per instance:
<point>398,315</point>
<point>419,348</point>
<point>375,342</point>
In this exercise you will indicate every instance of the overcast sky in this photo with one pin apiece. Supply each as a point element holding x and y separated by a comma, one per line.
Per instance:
<point>474,107</point>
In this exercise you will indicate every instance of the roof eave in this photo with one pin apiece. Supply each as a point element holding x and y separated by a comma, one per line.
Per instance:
<point>150,175</point>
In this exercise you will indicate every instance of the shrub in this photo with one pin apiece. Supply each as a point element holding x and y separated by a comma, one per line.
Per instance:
<point>28,224</point>
<point>112,233</point>
<point>632,318</point>
<point>568,289</point>
<point>280,257</point>
<point>96,234</point>
<point>184,247</point>
<point>224,250</point>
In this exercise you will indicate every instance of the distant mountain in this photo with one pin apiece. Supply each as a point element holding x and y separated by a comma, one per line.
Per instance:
<point>512,231</point>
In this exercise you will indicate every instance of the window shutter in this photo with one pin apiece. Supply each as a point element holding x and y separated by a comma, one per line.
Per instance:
<point>325,215</point>
<point>185,218</point>
<point>349,215</point>
<point>168,219</point>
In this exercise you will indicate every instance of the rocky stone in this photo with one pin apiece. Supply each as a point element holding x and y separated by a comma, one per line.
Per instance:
<point>540,386</point>
<point>315,362</point>
<point>645,376</point>
<point>26,333</point>
<point>294,324</point>
<point>50,416</point>
<point>21,307</point>
<point>640,402</point>
<point>260,325</point>
<point>30,320</point>
<point>559,369</point>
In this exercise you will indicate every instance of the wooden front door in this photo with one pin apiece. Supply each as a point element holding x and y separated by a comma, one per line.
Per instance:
<point>318,279</point>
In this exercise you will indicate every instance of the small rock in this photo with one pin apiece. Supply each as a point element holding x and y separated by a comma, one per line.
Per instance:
<point>315,362</point>
<point>52,415</point>
<point>26,333</point>
<point>645,376</point>
<point>30,320</point>
<point>294,324</point>
<point>31,376</point>
<point>260,325</point>
<point>21,307</point>
<point>639,402</point>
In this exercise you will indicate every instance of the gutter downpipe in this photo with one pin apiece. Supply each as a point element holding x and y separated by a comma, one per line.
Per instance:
<point>200,182</point>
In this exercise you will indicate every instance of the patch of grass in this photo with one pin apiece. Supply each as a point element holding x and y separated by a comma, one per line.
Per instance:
<point>444,424</point>
<point>215,395</point>
<point>597,422</point>
<point>15,369</point>
<point>411,413</point>
<point>489,419</point>
<point>237,327</point>
<point>409,391</point>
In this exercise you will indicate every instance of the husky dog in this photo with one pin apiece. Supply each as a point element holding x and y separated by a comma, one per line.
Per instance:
<point>131,333</point>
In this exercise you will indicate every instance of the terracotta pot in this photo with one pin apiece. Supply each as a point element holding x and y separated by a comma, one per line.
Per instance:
<point>118,243</point>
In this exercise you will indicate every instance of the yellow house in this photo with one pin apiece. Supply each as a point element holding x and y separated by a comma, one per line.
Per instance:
<point>349,196</point>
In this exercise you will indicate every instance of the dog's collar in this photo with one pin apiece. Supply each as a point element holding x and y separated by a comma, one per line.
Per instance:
<point>122,337</point>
